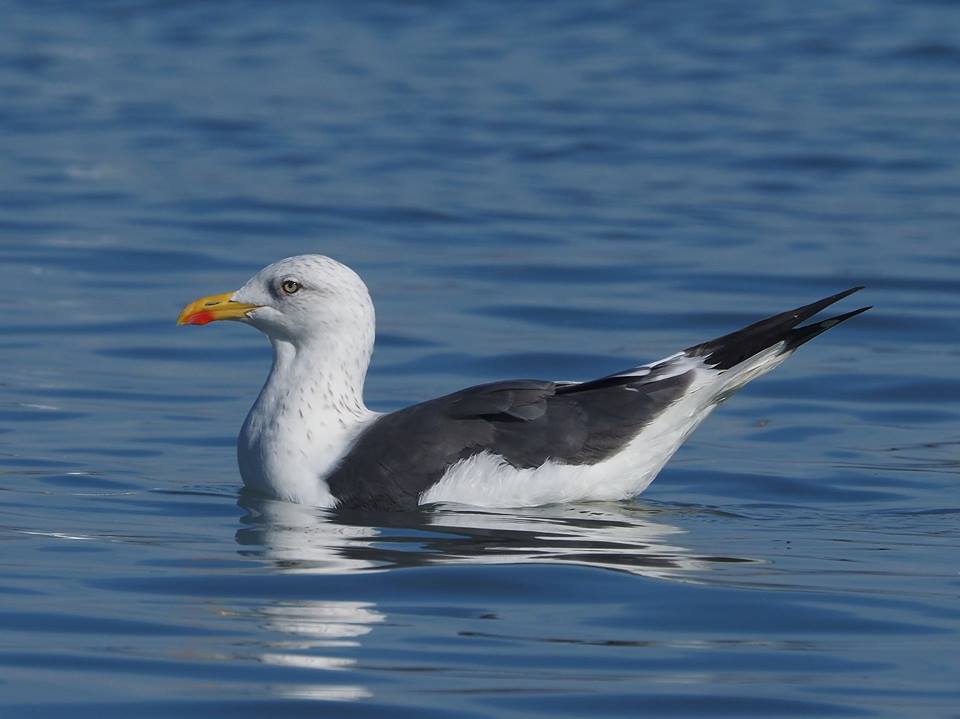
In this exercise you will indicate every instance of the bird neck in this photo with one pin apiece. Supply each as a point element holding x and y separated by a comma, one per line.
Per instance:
<point>305,418</point>
<point>322,376</point>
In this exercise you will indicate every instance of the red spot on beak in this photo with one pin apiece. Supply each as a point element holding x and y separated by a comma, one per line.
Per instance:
<point>200,318</point>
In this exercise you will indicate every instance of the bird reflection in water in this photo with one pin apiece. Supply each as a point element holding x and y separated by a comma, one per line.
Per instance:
<point>620,536</point>
<point>321,634</point>
<point>315,627</point>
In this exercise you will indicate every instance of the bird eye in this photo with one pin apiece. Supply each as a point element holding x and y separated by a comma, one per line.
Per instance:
<point>290,286</point>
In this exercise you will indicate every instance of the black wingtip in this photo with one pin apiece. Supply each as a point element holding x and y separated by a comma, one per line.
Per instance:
<point>800,335</point>
<point>802,313</point>
<point>729,350</point>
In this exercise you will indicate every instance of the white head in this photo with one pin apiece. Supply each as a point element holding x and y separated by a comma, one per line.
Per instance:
<point>319,318</point>
<point>302,300</point>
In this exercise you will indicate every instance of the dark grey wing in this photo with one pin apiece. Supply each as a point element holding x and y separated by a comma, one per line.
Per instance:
<point>526,422</point>
<point>403,453</point>
<point>518,399</point>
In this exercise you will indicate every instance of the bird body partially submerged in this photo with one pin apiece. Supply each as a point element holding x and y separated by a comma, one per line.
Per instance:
<point>309,438</point>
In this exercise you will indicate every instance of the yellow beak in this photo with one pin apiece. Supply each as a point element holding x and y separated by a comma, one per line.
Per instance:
<point>215,307</point>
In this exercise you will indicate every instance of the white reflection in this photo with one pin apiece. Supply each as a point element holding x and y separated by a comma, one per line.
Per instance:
<point>301,539</point>
<point>317,626</point>
<point>323,692</point>
<point>326,623</point>
<point>307,661</point>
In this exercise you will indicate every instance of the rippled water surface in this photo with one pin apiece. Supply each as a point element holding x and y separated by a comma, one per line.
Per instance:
<point>546,189</point>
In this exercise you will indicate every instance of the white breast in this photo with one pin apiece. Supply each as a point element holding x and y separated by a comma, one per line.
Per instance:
<point>286,450</point>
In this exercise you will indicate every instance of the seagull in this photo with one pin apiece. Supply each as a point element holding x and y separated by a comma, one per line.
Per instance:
<point>310,439</point>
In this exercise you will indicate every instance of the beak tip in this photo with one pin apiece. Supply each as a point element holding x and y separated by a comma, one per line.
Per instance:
<point>196,318</point>
<point>216,307</point>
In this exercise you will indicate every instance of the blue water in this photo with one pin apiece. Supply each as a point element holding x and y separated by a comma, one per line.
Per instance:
<point>530,189</point>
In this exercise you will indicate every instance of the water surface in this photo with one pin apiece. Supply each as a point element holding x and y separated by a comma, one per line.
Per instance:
<point>529,190</point>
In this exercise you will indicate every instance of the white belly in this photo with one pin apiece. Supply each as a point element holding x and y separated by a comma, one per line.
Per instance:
<point>486,480</point>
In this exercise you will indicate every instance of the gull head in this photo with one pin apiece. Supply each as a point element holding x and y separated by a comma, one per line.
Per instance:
<point>300,299</point>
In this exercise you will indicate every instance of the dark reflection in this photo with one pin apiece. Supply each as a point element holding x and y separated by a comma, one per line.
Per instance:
<point>621,536</point>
